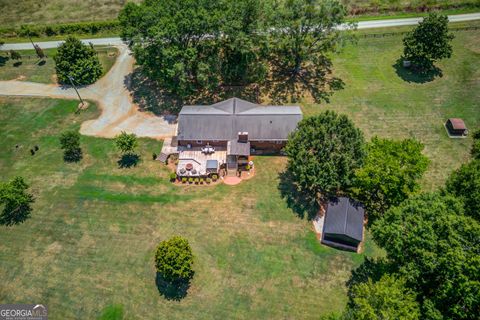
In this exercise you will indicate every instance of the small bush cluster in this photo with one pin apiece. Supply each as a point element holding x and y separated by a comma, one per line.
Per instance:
<point>61,29</point>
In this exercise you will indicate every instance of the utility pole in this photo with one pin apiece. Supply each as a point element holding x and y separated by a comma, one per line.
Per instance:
<point>74,87</point>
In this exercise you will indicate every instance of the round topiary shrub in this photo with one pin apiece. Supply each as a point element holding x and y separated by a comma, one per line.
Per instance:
<point>173,176</point>
<point>174,259</point>
<point>190,180</point>
<point>184,180</point>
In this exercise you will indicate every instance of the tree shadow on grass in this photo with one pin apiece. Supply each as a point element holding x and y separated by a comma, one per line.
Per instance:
<point>304,205</point>
<point>150,97</point>
<point>172,290</point>
<point>3,61</point>
<point>312,81</point>
<point>13,215</point>
<point>128,160</point>
<point>17,64</point>
<point>414,75</point>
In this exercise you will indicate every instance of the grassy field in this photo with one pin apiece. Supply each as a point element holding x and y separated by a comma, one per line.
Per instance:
<point>90,242</point>
<point>60,11</point>
<point>383,100</point>
<point>31,70</point>
<point>88,247</point>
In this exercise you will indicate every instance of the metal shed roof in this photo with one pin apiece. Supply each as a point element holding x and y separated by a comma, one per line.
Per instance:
<point>223,121</point>
<point>457,124</point>
<point>344,216</point>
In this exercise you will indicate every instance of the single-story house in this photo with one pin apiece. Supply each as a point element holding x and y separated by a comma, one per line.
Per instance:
<point>237,126</point>
<point>456,127</point>
<point>343,225</point>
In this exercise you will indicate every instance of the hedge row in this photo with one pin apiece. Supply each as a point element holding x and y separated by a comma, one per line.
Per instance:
<point>61,29</point>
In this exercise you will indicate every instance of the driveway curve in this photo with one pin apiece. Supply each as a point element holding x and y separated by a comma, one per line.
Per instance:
<point>111,94</point>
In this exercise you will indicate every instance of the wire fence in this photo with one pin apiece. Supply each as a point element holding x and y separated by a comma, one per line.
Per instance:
<point>389,34</point>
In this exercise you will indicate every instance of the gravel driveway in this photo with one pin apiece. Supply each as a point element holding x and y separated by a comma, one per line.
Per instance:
<point>111,94</point>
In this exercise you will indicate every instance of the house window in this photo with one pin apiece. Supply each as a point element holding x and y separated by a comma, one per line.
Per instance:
<point>199,141</point>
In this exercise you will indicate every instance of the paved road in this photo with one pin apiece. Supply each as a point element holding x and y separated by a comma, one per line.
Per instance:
<point>413,21</point>
<point>361,25</point>
<point>111,93</point>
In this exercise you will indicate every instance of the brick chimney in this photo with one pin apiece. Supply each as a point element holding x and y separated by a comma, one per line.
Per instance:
<point>243,137</point>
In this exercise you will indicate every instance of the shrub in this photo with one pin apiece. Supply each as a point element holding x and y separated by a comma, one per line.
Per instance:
<point>70,143</point>
<point>190,180</point>
<point>247,167</point>
<point>184,180</point>
<point>174,259</point>
<point>208,180</point>
<point>173,176</point>
<point>214,177</point>
<point>154,156</point>
<point>196,180</point>
<point>201,180</point>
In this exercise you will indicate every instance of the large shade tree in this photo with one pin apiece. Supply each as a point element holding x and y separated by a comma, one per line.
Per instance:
<point>243,53</point>
<point>389,175</point>
<point>428,42</point>
<point>324,152</point>
<point>387,298</point>
<point>464,183</point>
<point>77,61</point>
<point>176,42</point>
<point>16,201</point>
<point>304,34</point>
<point>436,248</point>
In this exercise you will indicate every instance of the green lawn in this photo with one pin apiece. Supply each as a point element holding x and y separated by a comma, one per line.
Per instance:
<point>90,242</point>
<point>382,103</point>
<point>88,247</point>
<point>31,70</point>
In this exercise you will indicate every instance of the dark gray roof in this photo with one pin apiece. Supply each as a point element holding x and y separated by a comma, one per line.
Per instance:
<point>344,216</point>
<point>237,148</point>
<point>223,121</point>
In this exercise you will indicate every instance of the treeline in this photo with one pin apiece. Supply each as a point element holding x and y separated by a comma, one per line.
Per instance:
<point>50,30</point>
<point>194,49</point>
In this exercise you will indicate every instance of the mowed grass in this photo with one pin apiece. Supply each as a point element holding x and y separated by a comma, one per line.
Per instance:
<point>29,68</point>
<point>88,247</point>
<point>382,103</point>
